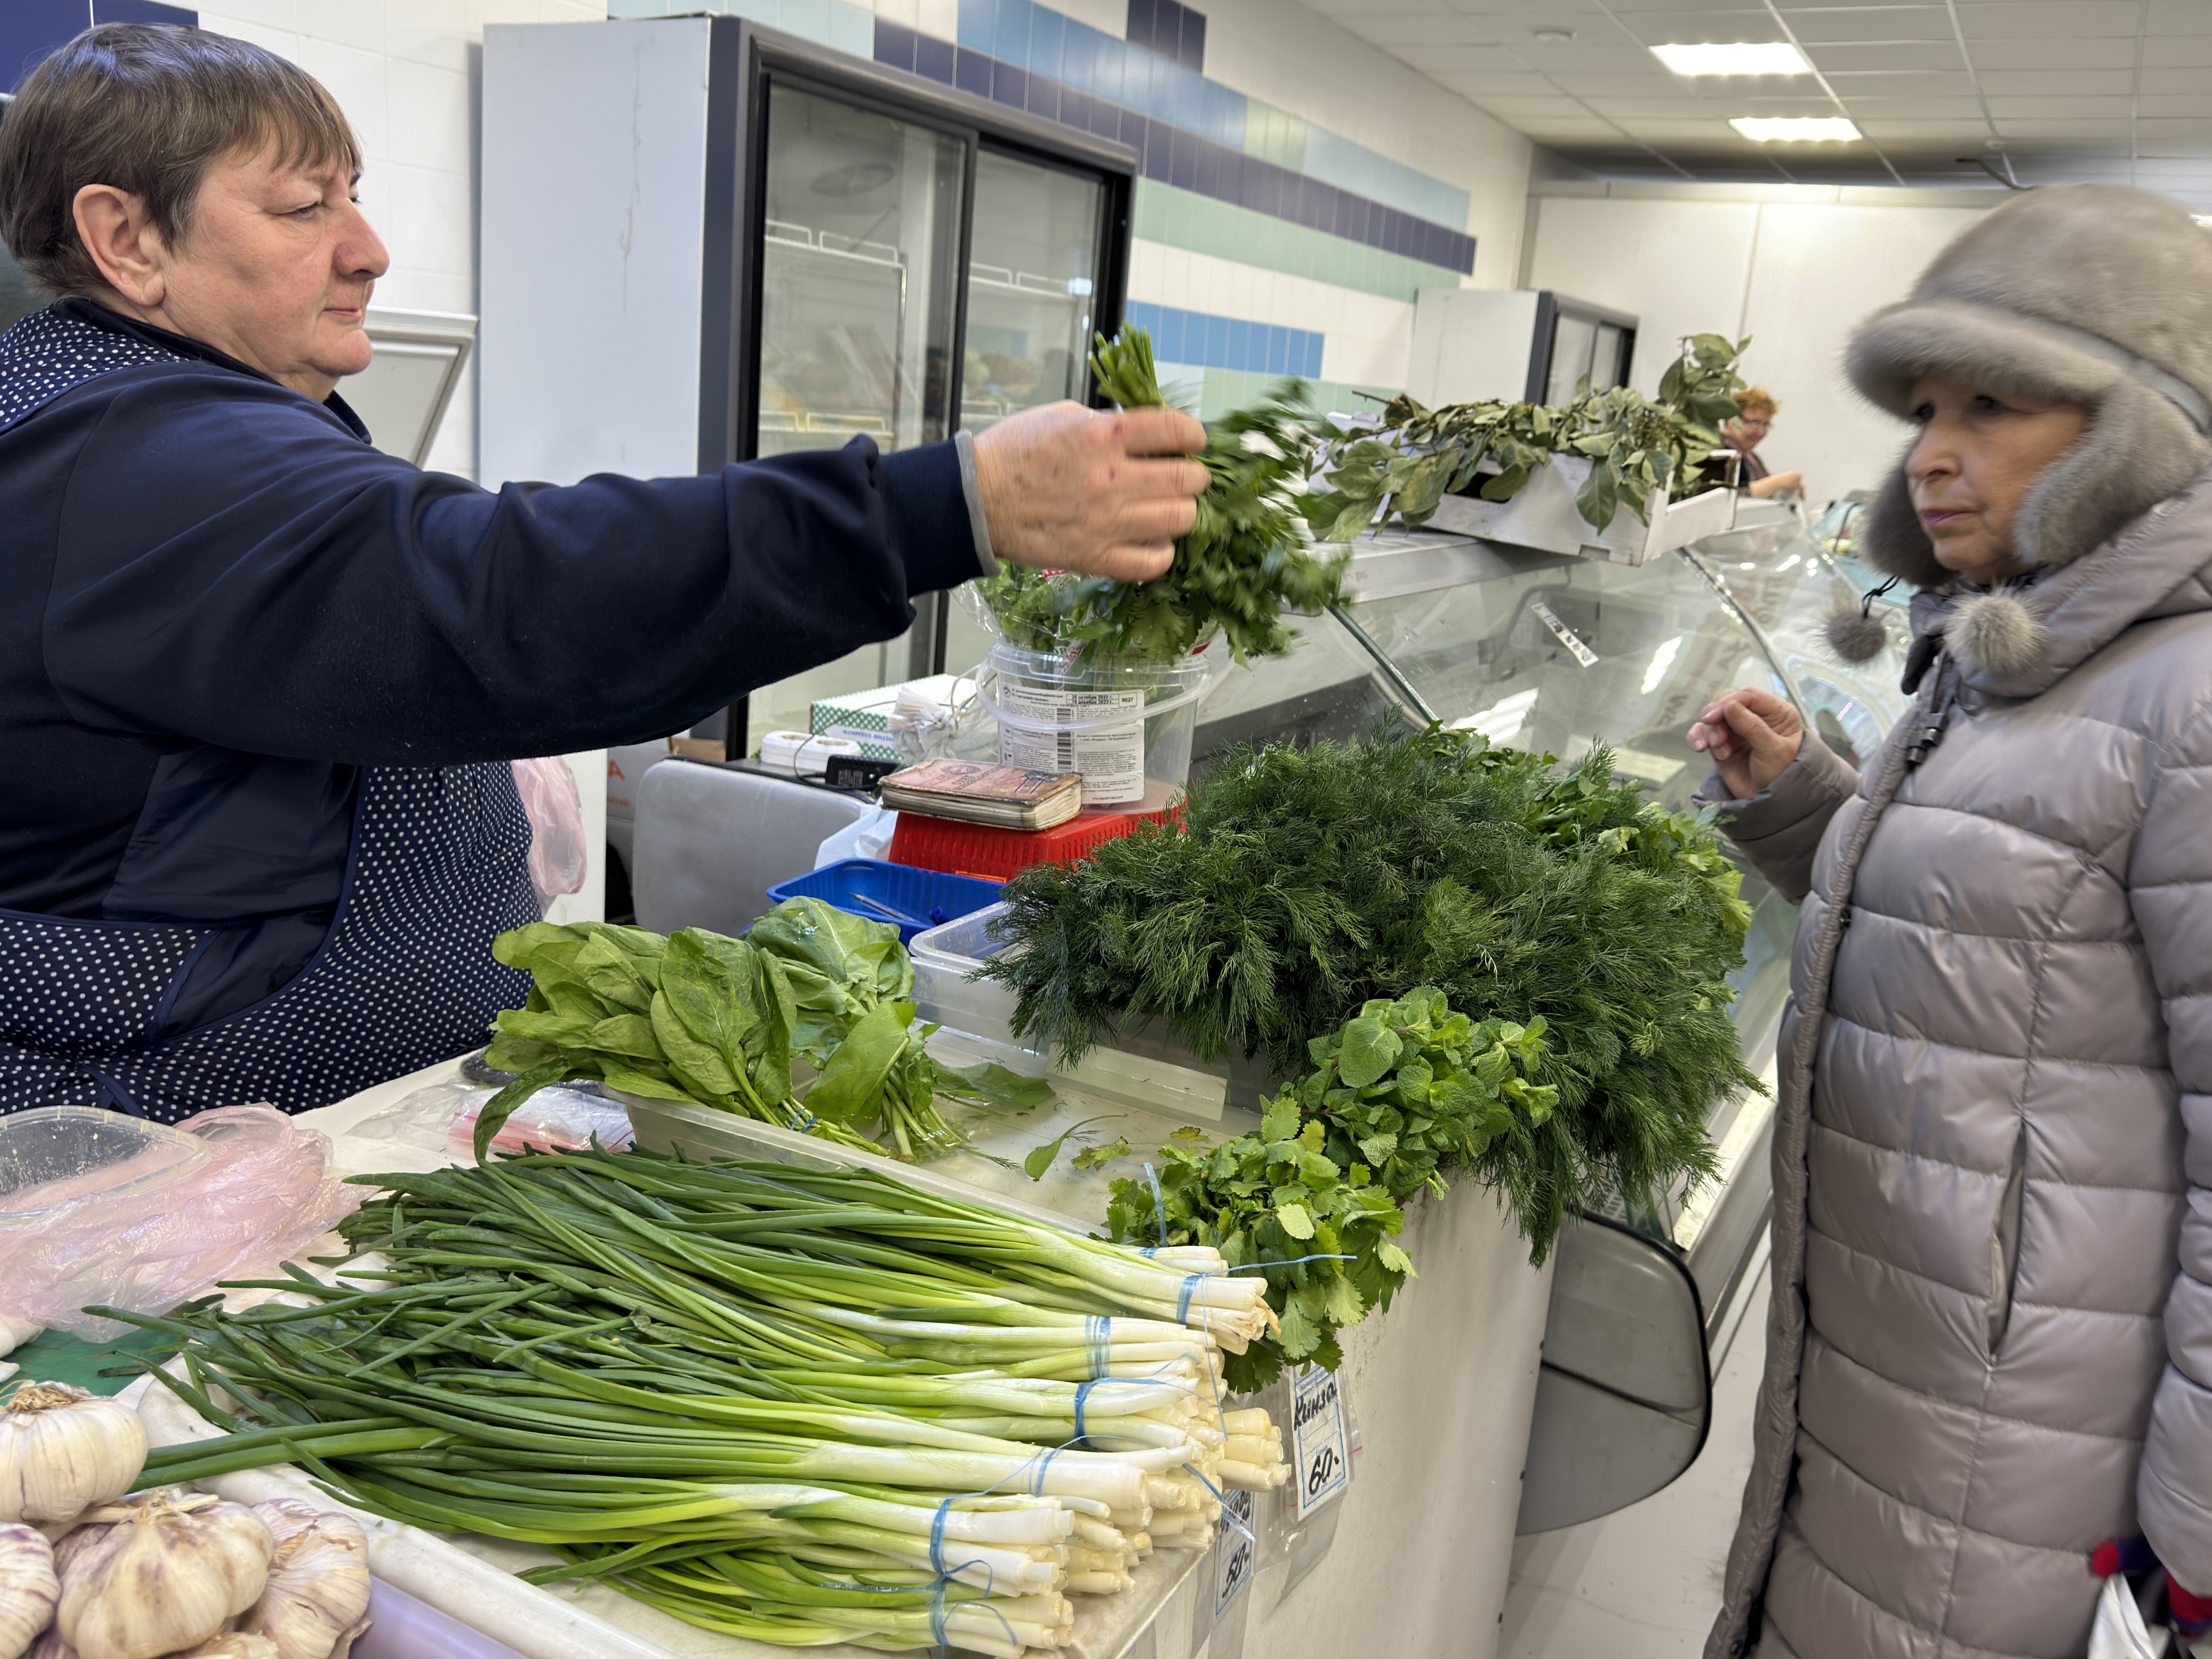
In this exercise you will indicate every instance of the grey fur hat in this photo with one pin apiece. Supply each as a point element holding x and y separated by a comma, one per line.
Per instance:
<point>2090,294</point>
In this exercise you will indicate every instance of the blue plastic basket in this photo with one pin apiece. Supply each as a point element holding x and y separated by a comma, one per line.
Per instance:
<point>915,899</point>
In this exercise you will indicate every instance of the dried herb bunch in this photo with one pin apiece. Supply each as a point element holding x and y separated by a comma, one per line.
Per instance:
<point>1418,455</point>
<point>1303,882</point>
<point>1243,562</point>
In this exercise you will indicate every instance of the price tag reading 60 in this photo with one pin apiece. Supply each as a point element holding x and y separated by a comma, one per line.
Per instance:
<point>1322,1450</point>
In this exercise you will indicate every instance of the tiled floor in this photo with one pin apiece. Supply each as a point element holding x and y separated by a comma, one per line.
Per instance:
<point>1646,1580</point>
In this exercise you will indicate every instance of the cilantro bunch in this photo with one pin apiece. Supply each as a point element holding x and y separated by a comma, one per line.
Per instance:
<point>1403,1093</point>
<point>1242,565</point>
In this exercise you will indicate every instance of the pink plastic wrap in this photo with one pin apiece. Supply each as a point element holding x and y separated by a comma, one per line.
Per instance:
<point>555,809</point>
<point>263,1194</point>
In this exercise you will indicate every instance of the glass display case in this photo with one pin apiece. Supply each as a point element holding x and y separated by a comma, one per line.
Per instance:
<point>1556,652</point>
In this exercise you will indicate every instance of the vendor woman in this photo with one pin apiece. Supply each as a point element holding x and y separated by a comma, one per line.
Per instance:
<point>259,682</point>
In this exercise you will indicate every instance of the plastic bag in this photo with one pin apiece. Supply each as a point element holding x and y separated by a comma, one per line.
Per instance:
<point>555,809</point>
<point>265,1192</point>
<point>2121,1632</point>
<point>868,837</point>
<point>555,1120</point>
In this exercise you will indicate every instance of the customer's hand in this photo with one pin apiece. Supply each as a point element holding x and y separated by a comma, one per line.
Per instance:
<point>1753,736</point>
<point>1778,484</point>
<point>1076,488</point>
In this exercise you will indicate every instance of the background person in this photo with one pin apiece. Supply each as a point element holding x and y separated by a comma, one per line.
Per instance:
<point>1756,410</point>
<point>1990,1352</point>
<point>259,682</point>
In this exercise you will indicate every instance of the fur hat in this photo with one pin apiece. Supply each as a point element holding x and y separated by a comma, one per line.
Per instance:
<point>2090,294</point>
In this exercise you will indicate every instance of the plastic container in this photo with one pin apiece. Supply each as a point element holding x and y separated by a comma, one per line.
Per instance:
<point>997,855</point>
<point>1126,723</point>
<point>917,900</point>
<point>51,1156</point>
<point>944,995</point>
<point>401,1627</point>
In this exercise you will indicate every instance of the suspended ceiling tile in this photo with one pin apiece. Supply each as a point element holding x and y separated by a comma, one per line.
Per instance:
<point>2159,106</point>
<point>2056,83</point>
<point>1689,25</point>
<point>1872,23</point>
<point>1412,28</point>
<point>1480,81</point>
<point>2184,77</point>
<point>2043,127</point>
<point>2091,51</point>
<point>1831,58</point>
<point>1670,87</point>
<point>1906,109</point>
<point>2164,132</point>
<point>1919,83</point>
<point>1906,129</point>
<point>1476,60</point>
<point>2047,108</point>
<point>2026,19</point>
<point>2179,17</point>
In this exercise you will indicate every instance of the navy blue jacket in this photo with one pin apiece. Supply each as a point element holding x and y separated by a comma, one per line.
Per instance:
<point>217,602</point>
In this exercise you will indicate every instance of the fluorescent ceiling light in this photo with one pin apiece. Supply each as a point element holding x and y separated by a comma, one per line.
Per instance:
<point>1794,129</point>
<point>1740,58</point>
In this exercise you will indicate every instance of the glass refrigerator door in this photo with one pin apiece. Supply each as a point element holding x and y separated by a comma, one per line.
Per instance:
<point>1033,278</point>
<point>859,258</point>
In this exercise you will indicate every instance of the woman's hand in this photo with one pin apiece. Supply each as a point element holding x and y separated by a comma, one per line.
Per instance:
<point>1753,736</point>
<point>1778,484</point>
<point>1077,489</point>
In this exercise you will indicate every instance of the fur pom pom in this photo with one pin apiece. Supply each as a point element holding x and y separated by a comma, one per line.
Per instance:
<point>1994,634</point>
<point>1854,636</point>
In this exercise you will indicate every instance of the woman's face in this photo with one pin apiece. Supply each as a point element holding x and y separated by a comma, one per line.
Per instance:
<point>1749,430</point>
<point>276,268</point>
<point>1976,455</point>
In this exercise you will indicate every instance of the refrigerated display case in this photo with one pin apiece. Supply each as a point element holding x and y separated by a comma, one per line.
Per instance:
<point>768,246</point>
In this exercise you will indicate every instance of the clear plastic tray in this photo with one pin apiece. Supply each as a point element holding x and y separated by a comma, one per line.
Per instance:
<point>51,1156</point>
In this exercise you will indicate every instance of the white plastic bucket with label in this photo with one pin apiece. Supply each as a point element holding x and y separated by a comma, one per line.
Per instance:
<point>1125,723</point>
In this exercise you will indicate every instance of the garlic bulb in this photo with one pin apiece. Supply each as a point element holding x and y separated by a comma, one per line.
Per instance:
<point>164,1572</point>
<point>317,1590</point>
<point>235,1645</point>
<point>28,1589</point>
<point>62,1451</point>
<point>50,1646</point>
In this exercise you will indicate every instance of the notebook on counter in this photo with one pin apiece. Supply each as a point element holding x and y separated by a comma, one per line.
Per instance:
<point>979,791</point>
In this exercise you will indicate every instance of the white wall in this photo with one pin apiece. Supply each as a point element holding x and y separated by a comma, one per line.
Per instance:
<point>1793,267</point>
<point>405,73</point>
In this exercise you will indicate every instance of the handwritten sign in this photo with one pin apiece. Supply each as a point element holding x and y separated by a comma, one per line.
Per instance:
<point>1322,1451</point>
<point>1235,1554</point>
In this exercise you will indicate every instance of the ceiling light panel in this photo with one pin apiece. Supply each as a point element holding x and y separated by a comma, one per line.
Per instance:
<point>1796,129</point>
<point>1741,58</point>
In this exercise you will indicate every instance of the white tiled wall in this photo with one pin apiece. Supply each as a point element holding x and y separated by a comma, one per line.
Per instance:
<point>404,71</point>
<point>1368,336</point>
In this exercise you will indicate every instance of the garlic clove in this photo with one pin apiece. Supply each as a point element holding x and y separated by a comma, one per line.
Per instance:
<point>29,1588</point>
<point>63,1451</point>
<point>317,1595</point>
<point>50,1645</point>
<point>237,1644</point>
<point>160,1573</point>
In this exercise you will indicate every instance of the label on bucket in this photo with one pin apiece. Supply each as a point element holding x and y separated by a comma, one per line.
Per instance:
<point>1110,757</point>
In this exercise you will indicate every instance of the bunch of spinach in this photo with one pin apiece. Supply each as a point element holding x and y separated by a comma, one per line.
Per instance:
<point>1402,1094</point>
<point>1302,884</point>
<point>1417,456</point>
<point>1242,565</point>
<point>721,1022</point>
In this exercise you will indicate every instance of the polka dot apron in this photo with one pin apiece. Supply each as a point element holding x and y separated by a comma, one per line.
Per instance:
<point>438,866</point>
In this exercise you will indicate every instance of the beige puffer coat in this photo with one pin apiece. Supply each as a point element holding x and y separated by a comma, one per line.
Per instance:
<point>1990,1342</point>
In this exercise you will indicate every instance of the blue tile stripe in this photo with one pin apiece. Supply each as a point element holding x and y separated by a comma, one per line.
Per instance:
<point>1206,341</point>
<point>1174,151</point>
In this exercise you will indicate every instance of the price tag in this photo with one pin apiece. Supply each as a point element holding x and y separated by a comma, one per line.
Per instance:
<point>1565,635</point>
<point>1234,1554</point>
<point>1321,1457</point>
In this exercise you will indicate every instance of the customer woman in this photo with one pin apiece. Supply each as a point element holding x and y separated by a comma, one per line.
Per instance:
<point>1756,409</point>
<point>1990,1345</point>
<point>254,673</point>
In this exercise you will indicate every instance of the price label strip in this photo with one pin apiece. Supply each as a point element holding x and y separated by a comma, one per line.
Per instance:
<point>1321,1448</point>
<point>1234,1554</point>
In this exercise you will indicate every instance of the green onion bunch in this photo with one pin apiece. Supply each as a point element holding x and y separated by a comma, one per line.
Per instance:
<point>791,1405</point>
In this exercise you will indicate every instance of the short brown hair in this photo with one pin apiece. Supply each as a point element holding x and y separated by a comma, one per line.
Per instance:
<point>147,109</point>
<point>1757,400</point>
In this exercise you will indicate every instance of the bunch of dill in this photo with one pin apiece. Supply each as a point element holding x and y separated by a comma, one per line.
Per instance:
<point>1301,883</point>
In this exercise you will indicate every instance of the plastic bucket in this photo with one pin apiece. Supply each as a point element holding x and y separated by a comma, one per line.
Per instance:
<point>1125,723</point>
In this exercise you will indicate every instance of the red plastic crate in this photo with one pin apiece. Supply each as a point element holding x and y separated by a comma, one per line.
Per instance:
<point>984,849</point>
